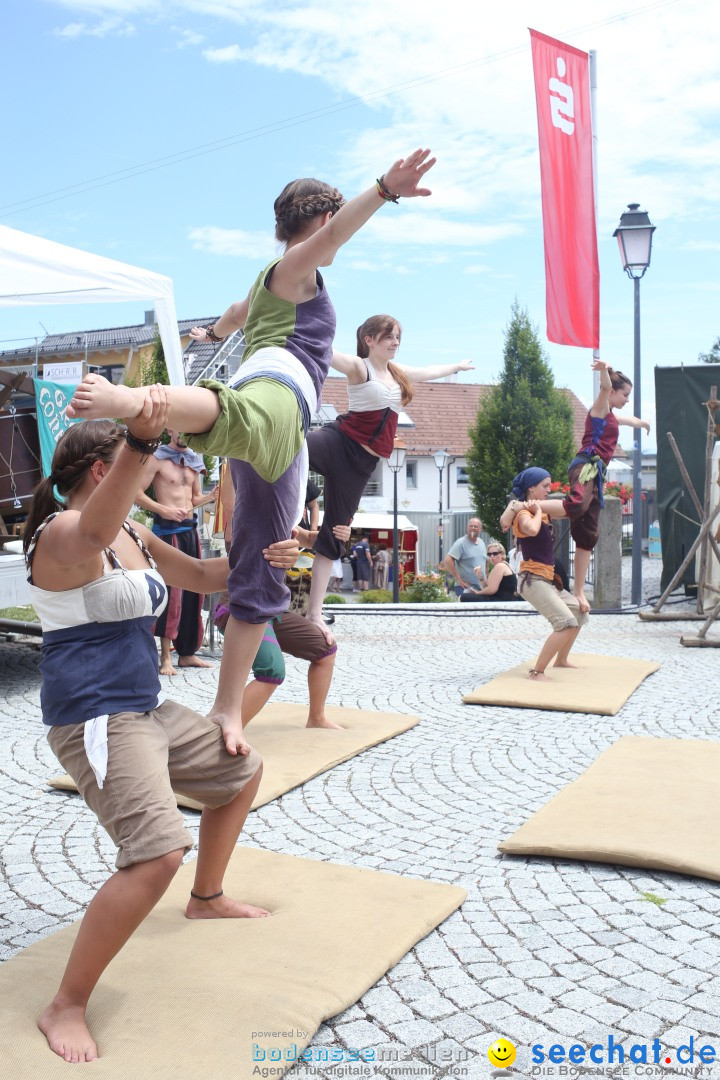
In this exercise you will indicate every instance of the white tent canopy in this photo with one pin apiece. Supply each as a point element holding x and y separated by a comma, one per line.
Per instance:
<point>37,271</point>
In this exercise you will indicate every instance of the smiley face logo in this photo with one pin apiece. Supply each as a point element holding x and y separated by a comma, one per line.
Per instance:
<point>501,1054</point>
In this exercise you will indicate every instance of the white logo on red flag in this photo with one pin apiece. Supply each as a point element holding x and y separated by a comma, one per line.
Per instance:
<point>562,101</point>
<point>572,276</point>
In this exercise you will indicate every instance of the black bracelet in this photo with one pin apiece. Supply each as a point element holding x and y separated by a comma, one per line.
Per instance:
<point>212,336</point>
<point>146,447</point>
<point>384,191</point>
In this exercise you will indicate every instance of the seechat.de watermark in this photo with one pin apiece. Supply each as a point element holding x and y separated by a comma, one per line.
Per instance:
<point>616,1057</point>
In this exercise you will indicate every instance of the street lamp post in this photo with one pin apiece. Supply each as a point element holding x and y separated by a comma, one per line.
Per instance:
<point>440,457</point>
<point>396,461</point>
<point>634,236</point>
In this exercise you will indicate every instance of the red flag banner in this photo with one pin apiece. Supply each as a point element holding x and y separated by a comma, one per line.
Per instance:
<point>572,275</point>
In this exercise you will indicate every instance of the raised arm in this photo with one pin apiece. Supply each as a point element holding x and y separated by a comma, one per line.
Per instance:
<point>601,404</point>
<point>403,178</point>
<point>439,371</point>
<point>80,535</point>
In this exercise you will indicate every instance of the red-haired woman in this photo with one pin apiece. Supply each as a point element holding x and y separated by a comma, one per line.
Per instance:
<point>346,451</point>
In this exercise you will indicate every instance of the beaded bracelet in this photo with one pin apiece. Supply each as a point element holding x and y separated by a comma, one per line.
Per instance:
<point>212,336</point>
<point>146,447</point>
<point>384,192</point>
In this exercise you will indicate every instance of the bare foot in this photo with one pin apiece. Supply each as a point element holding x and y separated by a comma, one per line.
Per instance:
<point>583,602</point>
<point>565,663</point>
<point>538,676</point>
<point>224,907</point>
<point>166,667</point>
<point>317,620</point>
<point>323,722</point>
<point>232,730</point>
<point>95,398</point>
<point>193,661</point>
<point>67,1033</point>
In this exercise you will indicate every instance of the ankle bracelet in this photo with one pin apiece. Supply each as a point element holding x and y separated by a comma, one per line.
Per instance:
<point>213,897</point>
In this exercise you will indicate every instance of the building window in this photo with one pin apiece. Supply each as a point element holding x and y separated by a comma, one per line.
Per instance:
<point>374,485</point>
<point>461,476</point>
<point>411,474</point>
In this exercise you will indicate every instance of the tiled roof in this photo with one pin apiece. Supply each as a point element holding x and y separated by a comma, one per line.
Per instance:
<point>442,413</point>
<point>119,337</point>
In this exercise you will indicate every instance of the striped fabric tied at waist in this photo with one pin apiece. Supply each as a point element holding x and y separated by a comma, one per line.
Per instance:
<point>593,468</point>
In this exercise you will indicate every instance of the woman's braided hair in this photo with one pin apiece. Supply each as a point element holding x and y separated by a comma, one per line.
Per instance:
<point>77,449</point>
<point>380,326</point>
<point>299,202</point>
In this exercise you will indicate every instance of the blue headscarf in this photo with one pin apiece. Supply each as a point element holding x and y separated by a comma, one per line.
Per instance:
<point>526,479</point>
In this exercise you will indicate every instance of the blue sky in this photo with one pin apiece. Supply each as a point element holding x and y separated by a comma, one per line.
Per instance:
<point>159,134</point>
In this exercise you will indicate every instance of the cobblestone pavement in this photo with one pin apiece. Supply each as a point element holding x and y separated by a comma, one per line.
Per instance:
<point>542,951</point>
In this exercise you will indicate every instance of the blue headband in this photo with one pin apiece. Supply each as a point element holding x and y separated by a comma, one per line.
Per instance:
<point>526,479</point>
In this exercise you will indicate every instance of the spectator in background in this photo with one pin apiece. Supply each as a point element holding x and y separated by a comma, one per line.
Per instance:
<point>501,580</point>
<point>381,567</point>
<point>175,473</point>
<point>364,563</point>
<point>464,556</point>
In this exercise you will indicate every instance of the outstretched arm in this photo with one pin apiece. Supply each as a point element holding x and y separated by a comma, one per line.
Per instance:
<point>231,320</point>
<point>439,371</point>
<point>352,366</point>
<point>403,178</point>
<point>634,422</point>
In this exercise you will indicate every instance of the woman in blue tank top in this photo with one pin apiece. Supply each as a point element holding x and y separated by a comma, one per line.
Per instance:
<point>98,585</point>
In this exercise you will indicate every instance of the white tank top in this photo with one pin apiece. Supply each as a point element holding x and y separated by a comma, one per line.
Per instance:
<point>373,395</point>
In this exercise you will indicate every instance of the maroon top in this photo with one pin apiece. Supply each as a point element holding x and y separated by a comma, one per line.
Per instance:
<point>600,436</point>
<point>375,429</point>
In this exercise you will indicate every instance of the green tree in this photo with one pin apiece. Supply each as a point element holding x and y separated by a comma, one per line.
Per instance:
<point>152,370</point>
<point>522,421</point>
<point>712,357</point>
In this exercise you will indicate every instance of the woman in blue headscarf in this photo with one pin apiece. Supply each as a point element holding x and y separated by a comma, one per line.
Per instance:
<point>534,535</point>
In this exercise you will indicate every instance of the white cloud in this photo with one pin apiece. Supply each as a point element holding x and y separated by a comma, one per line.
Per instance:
<point>229,55</point>
<point>428,80</point>
<point>105,28</point>
<point>657,90</point>
<point>187,38</point>
<point>235,242</point>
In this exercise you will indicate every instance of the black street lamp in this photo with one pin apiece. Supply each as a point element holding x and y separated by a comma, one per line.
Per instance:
<point>396,461</point>
<point>440,457</point>
<point>634,236</point>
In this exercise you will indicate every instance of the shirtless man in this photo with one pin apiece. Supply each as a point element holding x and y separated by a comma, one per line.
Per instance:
<point>175,473</point>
